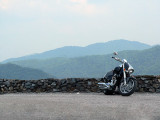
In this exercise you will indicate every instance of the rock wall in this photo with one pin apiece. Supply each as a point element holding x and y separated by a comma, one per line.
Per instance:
<point>148,83</point>
<point>144,84</point>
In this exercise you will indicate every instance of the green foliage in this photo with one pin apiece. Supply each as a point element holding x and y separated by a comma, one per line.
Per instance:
<point>11,71</point>
<point>145,62</point>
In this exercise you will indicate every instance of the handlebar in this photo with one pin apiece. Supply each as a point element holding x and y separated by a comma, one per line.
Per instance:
<point>117,59</point>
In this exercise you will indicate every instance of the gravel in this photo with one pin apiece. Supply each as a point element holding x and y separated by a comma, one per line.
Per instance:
<point>79,106</point>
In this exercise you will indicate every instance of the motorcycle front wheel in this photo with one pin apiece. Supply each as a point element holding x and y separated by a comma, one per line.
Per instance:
<point>128,89</point>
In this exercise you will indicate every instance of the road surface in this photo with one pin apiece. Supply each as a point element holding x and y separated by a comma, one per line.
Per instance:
<point>79,106</point>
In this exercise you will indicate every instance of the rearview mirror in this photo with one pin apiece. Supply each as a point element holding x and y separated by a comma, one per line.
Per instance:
<point>115,53</point>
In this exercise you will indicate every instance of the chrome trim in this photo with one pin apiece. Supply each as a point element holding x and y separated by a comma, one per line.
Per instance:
<point>104,85</point>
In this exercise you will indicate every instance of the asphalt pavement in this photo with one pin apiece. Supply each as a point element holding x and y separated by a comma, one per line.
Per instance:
<point>79,106</point>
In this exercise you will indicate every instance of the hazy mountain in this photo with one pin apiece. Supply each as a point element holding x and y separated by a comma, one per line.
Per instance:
<point>93,49</point>
<point>12,71</point>
<point>144,61</point>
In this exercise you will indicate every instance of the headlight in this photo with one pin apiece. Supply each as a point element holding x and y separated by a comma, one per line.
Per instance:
<point>131,71</point>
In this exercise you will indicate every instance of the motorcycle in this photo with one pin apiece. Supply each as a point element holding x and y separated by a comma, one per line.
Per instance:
<point>119,79</point>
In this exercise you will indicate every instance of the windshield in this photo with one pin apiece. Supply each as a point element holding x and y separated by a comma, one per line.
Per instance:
<point>127,66</point>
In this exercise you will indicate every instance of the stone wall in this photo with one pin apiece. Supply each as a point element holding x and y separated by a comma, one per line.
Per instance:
<point>144,84</point>
<point>148,83</point>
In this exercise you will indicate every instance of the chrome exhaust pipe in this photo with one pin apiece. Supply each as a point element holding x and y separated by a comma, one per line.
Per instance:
<point>104,85</point>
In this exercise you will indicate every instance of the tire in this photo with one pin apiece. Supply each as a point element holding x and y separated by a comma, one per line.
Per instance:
<point>130,91</point>
<point>108,92</point>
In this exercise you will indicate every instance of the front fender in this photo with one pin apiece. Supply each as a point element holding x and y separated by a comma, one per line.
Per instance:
<point>131,77</point>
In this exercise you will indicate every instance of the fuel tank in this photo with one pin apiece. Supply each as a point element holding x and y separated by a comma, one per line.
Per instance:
<point>108,76</point>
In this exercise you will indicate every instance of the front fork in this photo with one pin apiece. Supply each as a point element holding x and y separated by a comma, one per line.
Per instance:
<point>124,75</point>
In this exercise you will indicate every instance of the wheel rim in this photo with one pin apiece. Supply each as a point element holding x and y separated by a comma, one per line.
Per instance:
<point>128,87</point>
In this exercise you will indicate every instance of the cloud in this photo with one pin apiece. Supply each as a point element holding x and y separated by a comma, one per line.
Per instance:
<point>25,8</point>
<point>84,8</point>
<point>4,4</point>
<point>79,1</point>
<point>56,23</point>
<point>17,7</point>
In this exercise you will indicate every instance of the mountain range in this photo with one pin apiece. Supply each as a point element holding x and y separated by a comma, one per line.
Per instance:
<point>93,49</point>
<point>144,61</point>
<point>144,58</point>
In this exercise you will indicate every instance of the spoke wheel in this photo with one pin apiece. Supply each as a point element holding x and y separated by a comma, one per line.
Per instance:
<point>127,89</point>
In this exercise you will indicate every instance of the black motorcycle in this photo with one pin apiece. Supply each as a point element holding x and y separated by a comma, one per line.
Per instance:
<point>119,79</point>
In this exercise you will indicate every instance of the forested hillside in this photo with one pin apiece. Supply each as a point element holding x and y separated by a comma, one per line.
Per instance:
<point>93,49</point>
<point>11,71</point>
<point>144,61</point>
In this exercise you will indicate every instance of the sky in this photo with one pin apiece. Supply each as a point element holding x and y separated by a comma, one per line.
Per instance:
<point>35,26</point>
